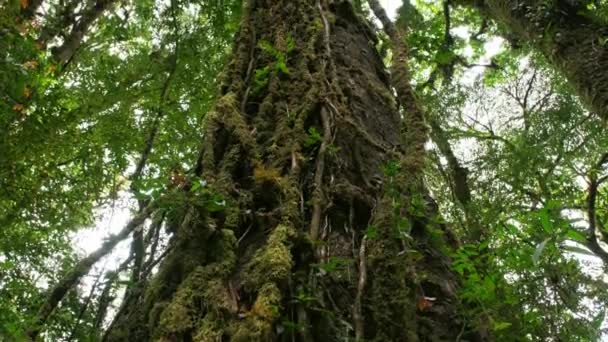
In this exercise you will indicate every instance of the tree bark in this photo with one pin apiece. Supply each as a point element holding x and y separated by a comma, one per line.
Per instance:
<point>327,233</point>
<point>571,37</point>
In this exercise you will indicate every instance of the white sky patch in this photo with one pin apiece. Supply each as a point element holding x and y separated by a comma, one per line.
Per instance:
<point>109,220</point>
<point>492,47</point>
<point>391,6</point>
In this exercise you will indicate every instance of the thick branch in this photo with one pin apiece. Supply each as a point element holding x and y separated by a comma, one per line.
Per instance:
<point>458,173</point>
<point>571,38</point>
<point>415,125</point>
<point>65,52</point>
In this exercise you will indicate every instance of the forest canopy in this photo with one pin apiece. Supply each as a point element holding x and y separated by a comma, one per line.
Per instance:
<point>305,170</point>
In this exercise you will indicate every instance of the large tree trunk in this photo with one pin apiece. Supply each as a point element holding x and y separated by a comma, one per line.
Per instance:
<point>325,235</point>
<point>569,35</point>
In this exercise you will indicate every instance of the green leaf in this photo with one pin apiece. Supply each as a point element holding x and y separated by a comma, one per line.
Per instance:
<point>545,220</point>
<point>371,232</point>
<point>280,66</point>
<point>497,326</point>
<point>539,249</point>
<point>598,320</point>
<point>291,44</point>
<point>444,57</point>
<point>391,168</point>
<point>578,250</point>
<point>313,138</point>
<point>267,47</point>
<point>575,235</point>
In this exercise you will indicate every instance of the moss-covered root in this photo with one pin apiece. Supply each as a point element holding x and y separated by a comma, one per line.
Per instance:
<point>206,306</point>
<point>201,296</point>
<point>266,276</point>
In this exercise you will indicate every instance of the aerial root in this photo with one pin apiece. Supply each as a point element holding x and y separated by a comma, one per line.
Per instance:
<point>357,309</point>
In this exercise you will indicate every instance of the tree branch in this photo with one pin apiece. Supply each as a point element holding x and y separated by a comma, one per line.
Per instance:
<point>59,291</point>
<point>64,53</point>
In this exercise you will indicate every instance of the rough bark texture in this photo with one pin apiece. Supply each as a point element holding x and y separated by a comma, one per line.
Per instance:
<point>326,234</point>
<point>573,38</point>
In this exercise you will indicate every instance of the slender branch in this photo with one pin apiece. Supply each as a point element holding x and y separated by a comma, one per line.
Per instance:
<point>85,306</point>
<point>138,245</point>
<point>104,298</point>
<point>58,292</point>
<point>448,39</point>
<point>153,262</point>
<point>155,235</point>
<point>482,29</point>
<point>594,183</point>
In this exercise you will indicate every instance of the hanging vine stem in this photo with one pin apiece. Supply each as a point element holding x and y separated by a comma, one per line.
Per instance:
<point>105,297</point>
<point>250,68</point>
<point>318,196</point>
<point>315,221</point>
<point>357,308</point>
<point>85,306</point>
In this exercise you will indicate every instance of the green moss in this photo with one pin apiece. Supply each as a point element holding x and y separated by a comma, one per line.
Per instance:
<point>210,329</point>
<point>177,317</point>
<point>390,273</point>
<point>269,268</point>
<point>227,115</point>
<point>260,319</point>
<point>205,284</point>
<point>273,263</point>
<point>263,174</point>
<point>267,302</point>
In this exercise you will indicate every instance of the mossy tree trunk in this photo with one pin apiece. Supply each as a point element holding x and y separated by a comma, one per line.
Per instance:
<point>571,36</point>
<point>327,235</point>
